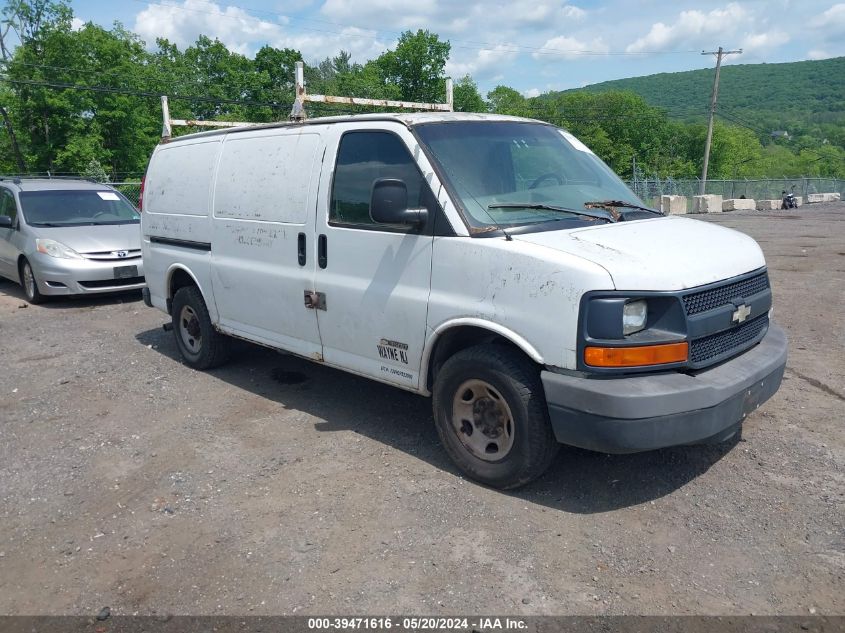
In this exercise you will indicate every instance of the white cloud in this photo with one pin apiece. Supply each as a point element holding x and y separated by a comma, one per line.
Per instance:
<point>817,53</point>
<point>830,24</point>
<point>401,14</point>
<point>76,24</point>
<point>483,16</point>
<point>183,23</point>
<point>486,63</point>
<point>760,43</point>
<point>361,44</point>
<point>693,28</point>
<point>531,92</point>
<point>569,48</point>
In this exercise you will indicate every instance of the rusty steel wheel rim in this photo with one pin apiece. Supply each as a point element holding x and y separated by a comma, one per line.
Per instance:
<point>189,329</point>
<point>482,420</point>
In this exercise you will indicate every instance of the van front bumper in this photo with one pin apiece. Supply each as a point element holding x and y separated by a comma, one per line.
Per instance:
<point>644,412</point>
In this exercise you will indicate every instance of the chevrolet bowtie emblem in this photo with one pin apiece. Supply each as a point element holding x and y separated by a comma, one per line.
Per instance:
<point>741,313</point>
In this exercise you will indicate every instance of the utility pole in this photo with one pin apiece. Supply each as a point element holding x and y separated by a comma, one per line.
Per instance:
<point>719,55</point>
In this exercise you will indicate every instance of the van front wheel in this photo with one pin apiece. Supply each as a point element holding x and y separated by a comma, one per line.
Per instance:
<point>491,416</point>
<point>201,346</point>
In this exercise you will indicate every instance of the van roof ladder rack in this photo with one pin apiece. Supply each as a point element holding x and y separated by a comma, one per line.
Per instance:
<point>298,114</point>
<point>168,123</point>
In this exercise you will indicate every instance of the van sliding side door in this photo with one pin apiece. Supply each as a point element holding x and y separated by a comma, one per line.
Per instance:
<point>372,280</point>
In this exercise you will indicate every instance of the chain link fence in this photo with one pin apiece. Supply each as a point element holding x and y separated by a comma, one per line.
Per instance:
<point>761,189</point>
<point>131,190</point>
<point>649,188</point>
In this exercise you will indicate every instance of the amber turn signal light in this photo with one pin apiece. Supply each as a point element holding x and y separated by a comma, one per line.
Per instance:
<point>636,356</point>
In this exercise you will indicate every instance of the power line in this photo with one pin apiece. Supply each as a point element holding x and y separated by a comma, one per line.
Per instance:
<point>140,93</point>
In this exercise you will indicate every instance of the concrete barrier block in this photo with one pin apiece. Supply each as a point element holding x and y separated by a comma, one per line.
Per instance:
<point>768,205</point>
<point>799,200</point>
<point>816,197</point>
<point>834,197</point>
<point>707,204</point>
<point>673,205</point>
<point>738,204</point>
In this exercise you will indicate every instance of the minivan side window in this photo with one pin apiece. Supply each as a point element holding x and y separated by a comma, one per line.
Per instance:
<point>363,158</point>
<point>7,204</point>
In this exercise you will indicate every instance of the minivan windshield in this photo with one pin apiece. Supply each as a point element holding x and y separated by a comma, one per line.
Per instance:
<point>76,207</point>
<point>509,173</point>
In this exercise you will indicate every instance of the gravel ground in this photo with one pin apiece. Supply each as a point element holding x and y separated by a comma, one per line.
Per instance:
<point>277,486</point>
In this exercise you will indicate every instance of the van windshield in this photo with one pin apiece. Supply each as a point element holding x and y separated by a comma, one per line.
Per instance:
<point>496,167</point>
<point>76,207</point>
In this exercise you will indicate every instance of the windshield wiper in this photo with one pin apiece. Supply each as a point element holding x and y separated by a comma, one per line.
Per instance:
<point>548,207</point>
<point>612,205</point>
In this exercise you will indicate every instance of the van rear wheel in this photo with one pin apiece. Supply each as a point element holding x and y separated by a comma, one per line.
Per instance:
<point>201,346</point>
<point>491,416</point>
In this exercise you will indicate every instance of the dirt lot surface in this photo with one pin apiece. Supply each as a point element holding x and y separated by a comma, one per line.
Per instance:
<point>274,485</point>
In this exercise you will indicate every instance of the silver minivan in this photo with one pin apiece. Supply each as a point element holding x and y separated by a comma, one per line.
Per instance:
<point>68,237</point>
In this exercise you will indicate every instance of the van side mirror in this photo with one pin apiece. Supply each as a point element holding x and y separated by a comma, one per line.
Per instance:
<point>5,222</point>
<point>389,204</point>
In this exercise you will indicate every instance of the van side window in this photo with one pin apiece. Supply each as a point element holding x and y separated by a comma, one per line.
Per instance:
<point>363,158</point>
<point>7,204</point>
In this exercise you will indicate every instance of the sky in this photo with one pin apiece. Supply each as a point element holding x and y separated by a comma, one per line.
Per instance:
<point>534,46</point>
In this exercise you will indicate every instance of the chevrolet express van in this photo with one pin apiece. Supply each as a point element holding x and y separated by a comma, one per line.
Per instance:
<point>493,263</point>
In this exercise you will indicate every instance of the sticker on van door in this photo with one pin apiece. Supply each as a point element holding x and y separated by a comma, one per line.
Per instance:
<point>393,350</point>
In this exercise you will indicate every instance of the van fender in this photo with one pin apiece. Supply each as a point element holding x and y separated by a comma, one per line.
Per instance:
<point>495,328</point>
<point>178,267</point>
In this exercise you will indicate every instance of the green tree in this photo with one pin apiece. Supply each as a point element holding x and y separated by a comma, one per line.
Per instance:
<point>416,66</point>
<point>466,96</point>
<point>504,100</point>
<point>275,69</point>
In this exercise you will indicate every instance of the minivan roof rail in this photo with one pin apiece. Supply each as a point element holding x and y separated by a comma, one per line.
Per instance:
<point>17,178</point>
<point>298,114</point>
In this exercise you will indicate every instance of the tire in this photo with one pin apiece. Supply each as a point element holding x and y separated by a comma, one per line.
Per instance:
<point>494,384</point>
<point>201,346</point>
<point>29,284</point>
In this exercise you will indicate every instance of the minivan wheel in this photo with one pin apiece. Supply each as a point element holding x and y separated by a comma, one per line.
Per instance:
<point>30,286</point>
<point>491,416</point>
<point>201,346</point>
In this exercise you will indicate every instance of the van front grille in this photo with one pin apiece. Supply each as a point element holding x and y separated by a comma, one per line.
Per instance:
<point>705,300</point>
<point>714,347</point>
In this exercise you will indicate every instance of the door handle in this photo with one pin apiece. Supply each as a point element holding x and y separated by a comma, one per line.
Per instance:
<point>322,255</point>
<point>300,248</point>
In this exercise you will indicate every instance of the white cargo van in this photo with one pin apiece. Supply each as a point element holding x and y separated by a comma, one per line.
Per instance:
<point>491,262</point>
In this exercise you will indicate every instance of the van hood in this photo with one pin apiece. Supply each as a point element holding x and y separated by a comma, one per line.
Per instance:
<point>94,239</point>
<point>658,254</point>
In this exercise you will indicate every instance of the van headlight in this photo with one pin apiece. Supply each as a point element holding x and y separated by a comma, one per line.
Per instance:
<point>56,249</point>
<point>634,316</point>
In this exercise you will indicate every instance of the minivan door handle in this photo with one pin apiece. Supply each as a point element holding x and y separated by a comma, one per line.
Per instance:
<point>300,248</point>
<point>322,255</point>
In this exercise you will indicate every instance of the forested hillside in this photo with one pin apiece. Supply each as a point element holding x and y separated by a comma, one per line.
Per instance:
<point>806,99</point>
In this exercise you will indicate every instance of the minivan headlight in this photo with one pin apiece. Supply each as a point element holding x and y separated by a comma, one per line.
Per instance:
<point>634,316</point>
<point>56,249</point>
